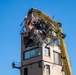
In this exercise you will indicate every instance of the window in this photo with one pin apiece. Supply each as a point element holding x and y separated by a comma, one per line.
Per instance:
<point>37,51</point>
<point>32,53</point>
<point>47,69</point>
<point>25,71</point>
<point>57,58</point>
<point>57,41</point>
<point>47,51</point>
<point>27,55</point>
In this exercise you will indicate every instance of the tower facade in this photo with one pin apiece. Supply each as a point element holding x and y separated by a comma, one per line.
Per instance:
<point>40,59</point>
<point>40,54</point>
<point>43,49</point>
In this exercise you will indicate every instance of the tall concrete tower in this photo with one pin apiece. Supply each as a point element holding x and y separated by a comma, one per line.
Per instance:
<point>40,60</point>
<point>39,54</point>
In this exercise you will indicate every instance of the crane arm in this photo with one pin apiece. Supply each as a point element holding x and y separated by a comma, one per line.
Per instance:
<point>56,27</point>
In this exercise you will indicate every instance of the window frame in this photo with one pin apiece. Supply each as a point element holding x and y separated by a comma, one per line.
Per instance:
<point>59,58</point>
<point>48,55</point>
<point>47,68</point>
<point>29,53</point>
<point>26,69</point>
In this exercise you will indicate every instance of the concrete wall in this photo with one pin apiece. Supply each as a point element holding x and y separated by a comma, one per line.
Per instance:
<point>33,63</point>
<point>33,69</point>
<point>54,69</point>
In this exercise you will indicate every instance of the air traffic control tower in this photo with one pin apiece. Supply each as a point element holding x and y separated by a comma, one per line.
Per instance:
<point>39,54</point>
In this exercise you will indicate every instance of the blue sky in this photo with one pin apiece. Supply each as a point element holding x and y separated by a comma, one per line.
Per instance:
<point>12,13</point>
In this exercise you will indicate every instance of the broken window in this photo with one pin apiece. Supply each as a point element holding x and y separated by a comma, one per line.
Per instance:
<point>28,42</point>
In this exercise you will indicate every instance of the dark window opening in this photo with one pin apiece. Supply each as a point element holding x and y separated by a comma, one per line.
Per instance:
<point>28,42</point>
<point>25,71</point>
<point>40,64</point>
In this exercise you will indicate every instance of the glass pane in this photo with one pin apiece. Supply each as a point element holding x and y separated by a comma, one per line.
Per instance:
<point>60,60</point>
<point>46,52</point>
<point>32,53</point>
<point>37,51</point>
<point>27,55</point>
<point>47,69</point>
<point>56,57</point>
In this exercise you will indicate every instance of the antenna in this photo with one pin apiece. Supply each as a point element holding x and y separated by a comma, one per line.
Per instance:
<point>53,16</point>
